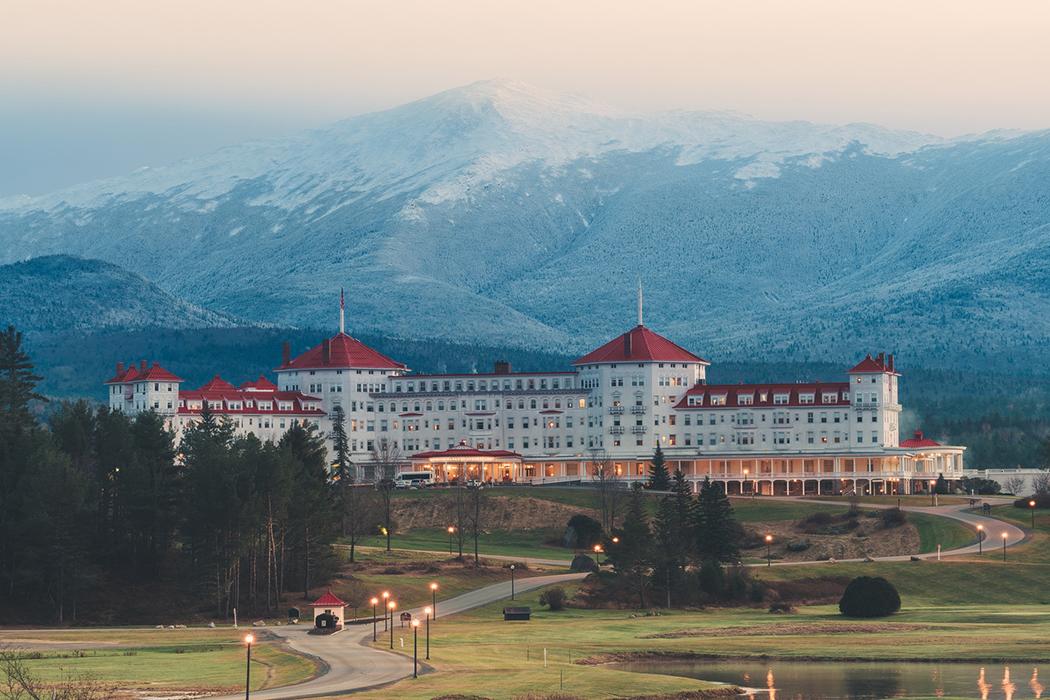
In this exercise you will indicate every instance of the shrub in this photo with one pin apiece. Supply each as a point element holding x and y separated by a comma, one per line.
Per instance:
<point>582,532</point>
<point>893,517</point>
<point>553,598</point>
<point>798,546</point>
<point>582,562</point>
<point>869,596</point>
<point>1042,501</point>
<point>781,607</point>
<point>819,519</point>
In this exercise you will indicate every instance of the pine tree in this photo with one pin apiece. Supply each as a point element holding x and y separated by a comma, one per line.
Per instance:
<point>718,534</point>
<point>17,384</point>
<point>659,478</point>
<point>632,556</point>
<point>345,476</point>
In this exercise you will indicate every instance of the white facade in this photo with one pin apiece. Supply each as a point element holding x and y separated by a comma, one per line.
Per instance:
<point>617,404</point>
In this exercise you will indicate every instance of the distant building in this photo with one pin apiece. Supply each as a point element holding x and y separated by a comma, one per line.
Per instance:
<point>615,405</point>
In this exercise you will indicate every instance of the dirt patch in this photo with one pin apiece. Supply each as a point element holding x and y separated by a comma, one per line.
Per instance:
<point>867,539</point>
<point>789,629</point>
<point>498,512</point>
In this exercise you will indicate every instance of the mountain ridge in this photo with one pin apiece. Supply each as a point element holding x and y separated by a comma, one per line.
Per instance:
<point>503,214</point>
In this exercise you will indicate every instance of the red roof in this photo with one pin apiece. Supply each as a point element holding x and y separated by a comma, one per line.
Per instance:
<point>260,384</point>
<point>328,600</point>
<point>875,365</point>
<point>217,384</point>
<point>701,395</point>
<point>919,440</point>
<point>342,351</point>
<point>142,373</point>
<point>465,452</point>
<point>639,345</point>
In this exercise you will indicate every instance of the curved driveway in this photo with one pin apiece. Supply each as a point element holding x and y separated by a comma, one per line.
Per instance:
<point>353,664</point>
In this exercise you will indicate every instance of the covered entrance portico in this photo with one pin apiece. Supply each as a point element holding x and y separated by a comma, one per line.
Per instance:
<point>468,463</point>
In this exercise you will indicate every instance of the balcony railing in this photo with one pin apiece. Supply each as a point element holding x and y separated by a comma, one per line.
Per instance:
<point>638,429</point>
<point>616,410</point>
<point>616,430</point>
<point>638,410</point>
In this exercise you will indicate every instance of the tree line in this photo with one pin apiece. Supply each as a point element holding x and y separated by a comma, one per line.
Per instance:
<point>96,500</point>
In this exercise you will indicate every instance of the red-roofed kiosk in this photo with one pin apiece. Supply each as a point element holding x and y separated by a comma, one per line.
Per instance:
<point>328,613</point>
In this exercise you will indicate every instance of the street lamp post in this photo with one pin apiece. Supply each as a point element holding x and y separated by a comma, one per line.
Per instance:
<point>415,648</point>
<point>248,639</point>
<point>1004,546</point>
<point>980,539</point>
<point>391,607</point>
<point>1031,505</point>
<point>933,492</point>
<point>746,472</point>
<point>451,529</point>
<point>386,607</point>
<point>769,555</point>
<point>428,612</point>
<point>512,582</point>
<point>433,597</point>
<point>375,620</point>
<point>598,555</point>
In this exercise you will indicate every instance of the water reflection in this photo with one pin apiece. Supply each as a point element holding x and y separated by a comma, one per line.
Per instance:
<point>796,680</point>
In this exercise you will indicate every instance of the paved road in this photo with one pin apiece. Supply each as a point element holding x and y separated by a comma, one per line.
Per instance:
<point>354,665</point>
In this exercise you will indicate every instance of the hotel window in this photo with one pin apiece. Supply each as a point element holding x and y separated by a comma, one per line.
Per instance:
<point>806,398</point>
<point>874,437</point>
<point>780,399</point>
<point>860,438</point>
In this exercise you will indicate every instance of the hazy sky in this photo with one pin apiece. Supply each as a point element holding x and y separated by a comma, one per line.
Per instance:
<point>100,87</point>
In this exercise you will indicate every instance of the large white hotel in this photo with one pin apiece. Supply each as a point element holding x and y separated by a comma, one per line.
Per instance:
<point>613,407</point>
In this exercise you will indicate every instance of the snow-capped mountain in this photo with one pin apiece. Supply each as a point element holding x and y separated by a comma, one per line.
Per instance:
<point>502,213</point>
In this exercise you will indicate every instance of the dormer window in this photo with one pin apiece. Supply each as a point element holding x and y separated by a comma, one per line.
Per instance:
<point>718,399</point>
<point>745,399</point>
<point>780,399</point>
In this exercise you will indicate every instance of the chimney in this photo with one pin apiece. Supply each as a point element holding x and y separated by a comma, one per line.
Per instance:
<point>142,365</point>
<point>891,363</point>
<point>120,368</point>
<point>918,435</point>
<point>326,352</point>
<point>627,344</point>
<point>881,358</point>
<point>286,353</point>
<point>502,367</point>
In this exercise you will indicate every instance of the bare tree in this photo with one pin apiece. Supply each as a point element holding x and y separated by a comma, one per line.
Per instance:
<point>1014,485</point>
<point>460,509</point>
<point>475,502</point>
<point>607,488</point>
<point>386,457</point>
<point>1041,484</point>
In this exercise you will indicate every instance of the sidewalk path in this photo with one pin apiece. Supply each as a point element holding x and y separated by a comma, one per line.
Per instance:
<point>354,665</point>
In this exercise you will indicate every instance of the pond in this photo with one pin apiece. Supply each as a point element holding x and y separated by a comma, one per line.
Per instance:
<point>798,680</point>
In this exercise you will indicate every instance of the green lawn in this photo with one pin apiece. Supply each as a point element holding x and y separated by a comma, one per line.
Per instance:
<point>211,659</point>
<point>477,650</point>
<point>408,575</point>
<point>975,608</point>
<point>935,530</point>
